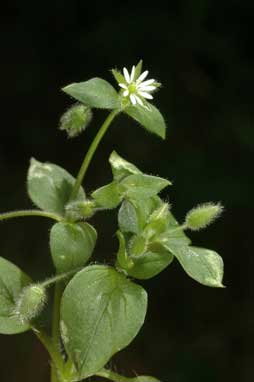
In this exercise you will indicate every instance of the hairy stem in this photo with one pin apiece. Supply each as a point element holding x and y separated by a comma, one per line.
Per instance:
<point>57,360</point>
<point>58,278</point>
<point>22,213</point>
<point>56,337</point>
<point>91,151</point>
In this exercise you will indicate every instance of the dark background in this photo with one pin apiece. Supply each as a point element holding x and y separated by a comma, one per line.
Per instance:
<point>202,52</point>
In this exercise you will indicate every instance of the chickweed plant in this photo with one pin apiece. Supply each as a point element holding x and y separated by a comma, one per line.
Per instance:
<point>99,309</point>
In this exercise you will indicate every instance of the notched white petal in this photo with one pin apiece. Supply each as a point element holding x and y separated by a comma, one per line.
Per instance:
<point>126,93</point>
<point>132,74</point>
<point>133,99</point>
<point>145,95</point>
<point>147,88</point>
<point>147,82</point>
<point>126,75</point>
<point>139,100</point>
<point>123,86</point>
<point>142,76</point>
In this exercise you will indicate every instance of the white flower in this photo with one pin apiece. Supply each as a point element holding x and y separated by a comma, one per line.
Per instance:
<point>137,89</point>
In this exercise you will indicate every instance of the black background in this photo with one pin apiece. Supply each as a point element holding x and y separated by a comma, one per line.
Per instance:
<point>202,52</point>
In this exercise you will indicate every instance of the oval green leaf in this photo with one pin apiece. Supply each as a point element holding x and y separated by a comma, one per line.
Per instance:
<point>143,186</point>
<point>12,281</point>
<point>101,313</point>
<point>71,245</point>
<point>49,186</point>
<point>96,93</point>
<point>149,117</point>
<point>108,196</point>
<point>203,265</point>
<point>121,168</point>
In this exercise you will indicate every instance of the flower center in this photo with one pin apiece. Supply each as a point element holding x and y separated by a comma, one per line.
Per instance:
<point>132,88</point>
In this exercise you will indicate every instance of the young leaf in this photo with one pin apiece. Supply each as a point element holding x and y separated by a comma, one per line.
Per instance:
<point>128,218</point>
<point>113,376</point>
<point>123,259</point>
<point>143,186</point>
<point>121,168</point>
<point>150,263</point>
<point>108,196</point>
<point>71,245</point>
<point>101,313</point>
<point>149,117</point>
<point>12,282</point>
<point>203,265</point>
<point>49,186</point>
<point>96,93</point>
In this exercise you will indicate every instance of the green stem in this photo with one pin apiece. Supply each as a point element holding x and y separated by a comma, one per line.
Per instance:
<point>22,213</point>
<point>109,374</point>
<point>91,151</point>
<point>58,278</point>
<point>57,360</point>
<point>56,338</point>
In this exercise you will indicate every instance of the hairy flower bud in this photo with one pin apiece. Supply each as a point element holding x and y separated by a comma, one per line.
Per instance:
<point>80,210</point>
<point>30,302</point>
<point>75,119</point>
<point>202,215</point>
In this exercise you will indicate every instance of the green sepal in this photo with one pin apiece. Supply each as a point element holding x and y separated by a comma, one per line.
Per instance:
<point>12,282</point>
<point>149,117</point>
<point>121,168</point>
<point>109,312</point>
<point>138,70</point>
<point>108,196</point>
<point>119,77</point>
<point>95,92</point>
<point>50,186</point>
<point>72,245</point>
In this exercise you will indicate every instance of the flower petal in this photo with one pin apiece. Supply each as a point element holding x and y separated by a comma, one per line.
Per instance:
<point>126,93</point>
<point>142,76</point>
<point>123,86</point>
<point>132,73</point>
<point>145,95</point>
<point>133,99</point>
<point>126,75</point>
<point>147,88</point>
<point>139,100</point>
<point>147,82</point>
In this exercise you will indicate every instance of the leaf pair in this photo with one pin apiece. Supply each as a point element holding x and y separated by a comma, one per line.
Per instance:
<point>98,93</point>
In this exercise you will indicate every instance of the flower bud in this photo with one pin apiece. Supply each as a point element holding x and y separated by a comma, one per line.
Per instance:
<point>202,215</point>
<point>80,210</point>
<point>75,119</point>
<point>30,302</point>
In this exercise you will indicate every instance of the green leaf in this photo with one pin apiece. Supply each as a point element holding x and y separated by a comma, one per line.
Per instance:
<point>151,263</point>
<point>128,218</point>
<point>12,282</point>
<point>101,313</point>
<point>143,186</point>
<point>149,117</point>
<point>50,186</point>
<point>113,376</point>
<point>108,196</point>
<point>203,265</point>
<point>71,245</point>
<point>96,93</point>
<point>121,168</point>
